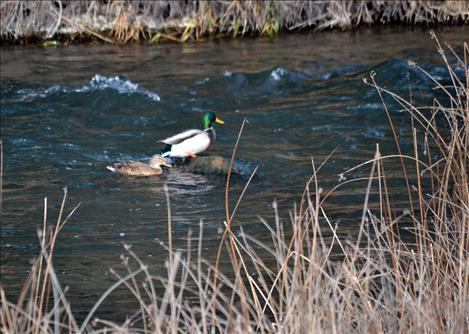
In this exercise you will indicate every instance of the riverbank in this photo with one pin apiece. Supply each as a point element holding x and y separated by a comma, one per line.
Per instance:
<point>119,22</point>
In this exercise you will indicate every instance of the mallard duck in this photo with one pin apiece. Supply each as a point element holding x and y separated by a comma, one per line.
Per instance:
<point>135,168</point>
<point>192,142</point>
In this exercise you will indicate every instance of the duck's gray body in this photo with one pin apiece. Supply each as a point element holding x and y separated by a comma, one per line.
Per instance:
<point>136,168</point>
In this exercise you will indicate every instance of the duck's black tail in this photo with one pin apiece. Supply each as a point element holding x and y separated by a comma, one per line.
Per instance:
<point>165,152</point>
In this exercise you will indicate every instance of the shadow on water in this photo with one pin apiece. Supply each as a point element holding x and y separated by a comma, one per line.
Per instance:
<point>66,113</point>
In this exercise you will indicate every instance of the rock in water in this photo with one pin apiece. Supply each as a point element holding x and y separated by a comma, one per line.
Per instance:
<point>210,164</point>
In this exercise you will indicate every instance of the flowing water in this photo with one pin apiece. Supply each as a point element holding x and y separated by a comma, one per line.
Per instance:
<point>67,113</point>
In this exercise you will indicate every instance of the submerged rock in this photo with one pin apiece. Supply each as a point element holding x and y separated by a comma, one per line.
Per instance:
<point>211,164</point>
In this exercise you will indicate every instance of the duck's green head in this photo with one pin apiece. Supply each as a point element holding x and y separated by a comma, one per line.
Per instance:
<point>209,118</point>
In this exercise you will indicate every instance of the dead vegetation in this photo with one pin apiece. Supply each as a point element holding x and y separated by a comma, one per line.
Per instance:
<point>117,21</point>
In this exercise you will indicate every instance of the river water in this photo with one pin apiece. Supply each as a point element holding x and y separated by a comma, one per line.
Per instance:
<point>67,113</point>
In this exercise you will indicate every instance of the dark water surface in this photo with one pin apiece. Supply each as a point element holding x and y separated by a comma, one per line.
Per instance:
<point>68,112</point>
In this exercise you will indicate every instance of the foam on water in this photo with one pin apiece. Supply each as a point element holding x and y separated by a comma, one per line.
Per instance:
<point>97,83</point>
<point>277,73</point>
<point>123,86</point>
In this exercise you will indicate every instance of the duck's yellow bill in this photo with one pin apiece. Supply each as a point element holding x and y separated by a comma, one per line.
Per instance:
<point>219,120</point>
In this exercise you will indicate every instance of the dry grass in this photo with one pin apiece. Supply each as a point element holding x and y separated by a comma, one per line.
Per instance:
<point>116,21</point>
<point>380,285</point>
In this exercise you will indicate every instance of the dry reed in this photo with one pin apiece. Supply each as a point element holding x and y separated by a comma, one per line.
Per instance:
<point>381,284</point>
<point>115,21</point>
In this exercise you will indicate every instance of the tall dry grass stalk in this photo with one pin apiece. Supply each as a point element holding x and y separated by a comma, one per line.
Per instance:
<point>381,284</point>
<point>117,21</point>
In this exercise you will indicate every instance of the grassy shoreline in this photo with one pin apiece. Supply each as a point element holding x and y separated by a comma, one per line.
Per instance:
<point>381,284</point>
<point>121,22</point>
